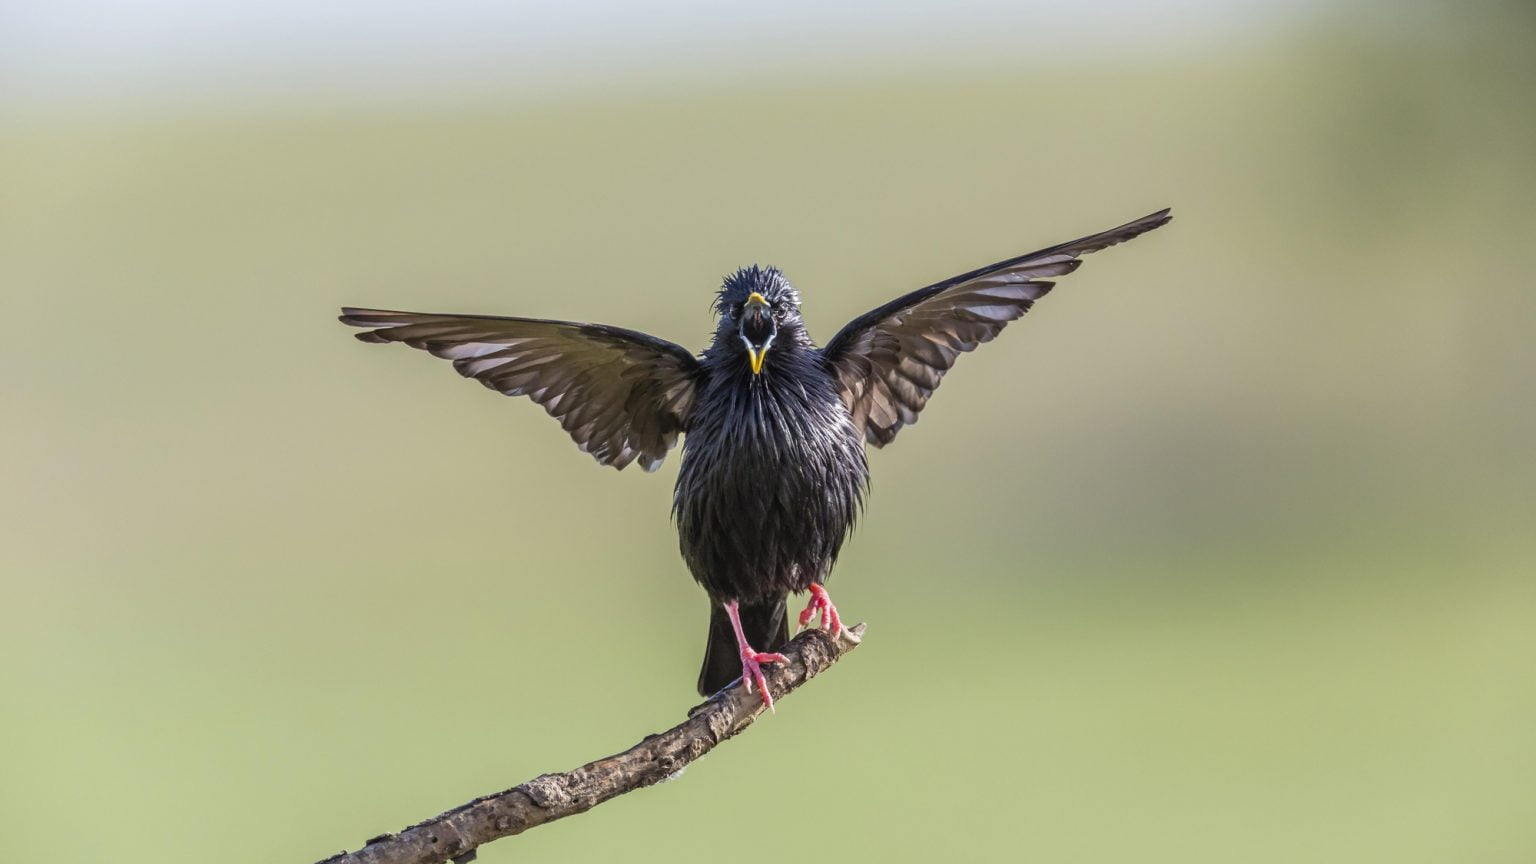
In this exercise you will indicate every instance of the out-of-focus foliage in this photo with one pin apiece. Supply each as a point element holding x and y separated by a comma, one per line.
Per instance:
<point>1224,553</point>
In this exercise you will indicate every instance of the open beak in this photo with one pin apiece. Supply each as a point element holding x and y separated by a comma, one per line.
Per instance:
<point>757,330</point>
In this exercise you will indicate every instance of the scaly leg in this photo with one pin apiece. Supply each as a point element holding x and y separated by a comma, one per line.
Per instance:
<point>751,670</point>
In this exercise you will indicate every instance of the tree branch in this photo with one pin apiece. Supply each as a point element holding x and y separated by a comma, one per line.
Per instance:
<point>457,833</point>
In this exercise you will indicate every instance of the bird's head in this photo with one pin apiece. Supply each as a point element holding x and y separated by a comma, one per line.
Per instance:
<point>758,309</point>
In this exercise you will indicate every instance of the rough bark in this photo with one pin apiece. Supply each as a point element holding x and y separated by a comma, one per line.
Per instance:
<point>456,834</point>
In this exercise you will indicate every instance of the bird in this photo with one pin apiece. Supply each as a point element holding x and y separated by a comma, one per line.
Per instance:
<point>774,471</point>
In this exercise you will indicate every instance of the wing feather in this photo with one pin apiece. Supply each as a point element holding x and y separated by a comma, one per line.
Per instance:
<point>620,394</point>
<point>891,359</point>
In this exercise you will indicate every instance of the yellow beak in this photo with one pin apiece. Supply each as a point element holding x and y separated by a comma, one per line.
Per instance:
<point>756,355</point>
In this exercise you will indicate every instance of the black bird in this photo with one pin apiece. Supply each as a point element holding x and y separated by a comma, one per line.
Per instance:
<point>773,472</point>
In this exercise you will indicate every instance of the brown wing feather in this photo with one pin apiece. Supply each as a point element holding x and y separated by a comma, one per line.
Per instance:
<point>620,394</point>
<point>890,360</point>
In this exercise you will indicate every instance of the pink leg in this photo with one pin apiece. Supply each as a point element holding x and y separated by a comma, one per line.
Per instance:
<point>751,671</point>
<point>822,602</point>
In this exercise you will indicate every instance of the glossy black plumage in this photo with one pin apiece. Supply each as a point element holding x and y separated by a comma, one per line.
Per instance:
<point>773,471</point>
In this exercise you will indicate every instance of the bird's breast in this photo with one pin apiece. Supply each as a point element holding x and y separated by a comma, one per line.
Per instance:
<point>772,479</point>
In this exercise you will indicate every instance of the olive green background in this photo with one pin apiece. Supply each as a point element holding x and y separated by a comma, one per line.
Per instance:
<point>1224,553</point>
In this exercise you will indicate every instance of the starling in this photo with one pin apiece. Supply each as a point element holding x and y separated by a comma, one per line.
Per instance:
<point>773,471</point>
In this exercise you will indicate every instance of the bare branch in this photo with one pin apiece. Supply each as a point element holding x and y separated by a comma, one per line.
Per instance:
<point>457,833</point>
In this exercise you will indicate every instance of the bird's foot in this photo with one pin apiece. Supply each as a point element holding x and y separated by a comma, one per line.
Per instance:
<point>821,602</point>
<point>752,672</point>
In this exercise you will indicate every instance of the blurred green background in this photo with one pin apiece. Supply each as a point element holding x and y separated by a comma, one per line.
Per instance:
<point>1224,553</point>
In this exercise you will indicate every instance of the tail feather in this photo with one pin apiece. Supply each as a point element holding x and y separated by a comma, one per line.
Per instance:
<point>767,628</point>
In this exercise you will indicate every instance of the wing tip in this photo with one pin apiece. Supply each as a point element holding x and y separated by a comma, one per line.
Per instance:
<point>379,319</point>
<point>1146,223</point>
<point>1115,236</point>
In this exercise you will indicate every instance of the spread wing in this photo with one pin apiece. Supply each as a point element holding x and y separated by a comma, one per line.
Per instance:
<point>622,395</point>
<point>890,360</point>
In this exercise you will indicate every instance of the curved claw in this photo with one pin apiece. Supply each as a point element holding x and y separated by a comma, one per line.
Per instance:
<point>821,602</point>
<point>752,671</point>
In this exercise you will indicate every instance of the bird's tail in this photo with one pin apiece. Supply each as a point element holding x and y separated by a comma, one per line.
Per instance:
<point>767,629</point>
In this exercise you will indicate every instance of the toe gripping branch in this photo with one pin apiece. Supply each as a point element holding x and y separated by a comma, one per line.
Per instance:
<point>752,660</point>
